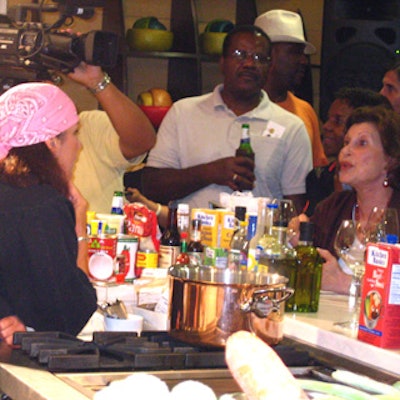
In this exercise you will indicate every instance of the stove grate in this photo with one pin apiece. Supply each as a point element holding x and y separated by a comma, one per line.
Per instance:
<point>125,351</point>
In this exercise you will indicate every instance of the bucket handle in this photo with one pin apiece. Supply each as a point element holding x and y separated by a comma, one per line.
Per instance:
<point>260,303</point>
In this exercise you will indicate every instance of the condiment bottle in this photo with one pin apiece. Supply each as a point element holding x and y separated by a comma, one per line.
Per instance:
<point>117,205</point>
<point>238,239</point>
<point>183,218</point>
<point>195,248</point>
<point>307,284</point>
<point>183,256</point>
<point>146,257</point>
<point>170,241</point>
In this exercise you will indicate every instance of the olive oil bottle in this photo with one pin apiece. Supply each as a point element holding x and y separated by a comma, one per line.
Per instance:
<point>307,283</point>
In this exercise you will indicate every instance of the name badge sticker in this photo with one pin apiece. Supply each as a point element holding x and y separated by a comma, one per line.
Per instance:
<point>273,129</point>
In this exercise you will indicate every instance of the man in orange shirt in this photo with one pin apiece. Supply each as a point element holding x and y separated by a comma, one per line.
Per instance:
<point>287,68</point>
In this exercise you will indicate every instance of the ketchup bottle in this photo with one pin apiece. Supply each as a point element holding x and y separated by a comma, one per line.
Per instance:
<point>183,256</point>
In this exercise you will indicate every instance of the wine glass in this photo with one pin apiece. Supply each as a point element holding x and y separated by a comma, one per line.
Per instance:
<point>350,244</point>
<point>373,229</point>
<point>383,226</point>
<point>391,223</point>
<point>388,229</point>
<point>286,213</point>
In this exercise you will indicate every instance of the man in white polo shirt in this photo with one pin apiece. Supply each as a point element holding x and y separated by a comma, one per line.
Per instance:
<point>194,156</point>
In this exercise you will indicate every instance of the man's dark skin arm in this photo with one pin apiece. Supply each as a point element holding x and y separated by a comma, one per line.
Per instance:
<point>166,184</point>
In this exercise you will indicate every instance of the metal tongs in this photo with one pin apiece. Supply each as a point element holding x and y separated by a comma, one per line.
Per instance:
<point>113,310</point>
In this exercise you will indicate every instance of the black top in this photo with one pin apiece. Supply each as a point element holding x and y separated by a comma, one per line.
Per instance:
<point>40,280</point>
<point>330,212</point>
<point>320,183</point>
<point>240,213</point>
<point>306,231</point>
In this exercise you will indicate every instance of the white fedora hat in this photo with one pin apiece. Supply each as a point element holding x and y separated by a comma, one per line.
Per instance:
<point>284,26</point>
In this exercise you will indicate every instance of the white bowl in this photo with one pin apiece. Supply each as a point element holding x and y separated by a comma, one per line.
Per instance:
<point>101,266</point>
<point>134,323</point>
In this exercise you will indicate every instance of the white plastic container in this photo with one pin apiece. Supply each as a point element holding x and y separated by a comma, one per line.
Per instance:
<point>134,323</point>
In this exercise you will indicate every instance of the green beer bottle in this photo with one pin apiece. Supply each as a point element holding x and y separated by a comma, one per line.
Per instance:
<point>245,148</point>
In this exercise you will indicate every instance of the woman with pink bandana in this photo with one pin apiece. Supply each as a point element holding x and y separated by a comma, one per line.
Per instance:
<point>41,214</point>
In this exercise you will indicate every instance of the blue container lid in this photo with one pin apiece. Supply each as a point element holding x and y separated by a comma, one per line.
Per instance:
<point>392,238</point>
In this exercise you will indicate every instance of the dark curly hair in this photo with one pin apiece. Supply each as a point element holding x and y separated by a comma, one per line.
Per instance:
<point>31,165</point>
<point>359,97</point>
<point>387,123</point>
<point>395,67</point>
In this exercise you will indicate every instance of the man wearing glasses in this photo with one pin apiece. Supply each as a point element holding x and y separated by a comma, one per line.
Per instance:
<point>194,157</point>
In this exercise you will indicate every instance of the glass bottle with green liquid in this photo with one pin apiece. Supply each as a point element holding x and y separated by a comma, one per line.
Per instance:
<point>276,256</point>
<point>245,148</point>
<point>307,283</point>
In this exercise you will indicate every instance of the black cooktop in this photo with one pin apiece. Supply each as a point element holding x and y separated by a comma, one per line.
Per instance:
<point>125,351</point>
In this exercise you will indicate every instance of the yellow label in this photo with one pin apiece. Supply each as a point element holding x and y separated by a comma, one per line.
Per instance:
<point>227,228</point>
<point>217,226</point>
<point>146,260</point>
<point>252,263</point>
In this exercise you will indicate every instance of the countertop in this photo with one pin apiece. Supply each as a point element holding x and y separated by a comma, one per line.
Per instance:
<point>313,329</point>
<point>317,329</point>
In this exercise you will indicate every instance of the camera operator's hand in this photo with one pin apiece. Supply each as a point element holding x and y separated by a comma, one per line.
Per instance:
<point>135,131</point>
<point>87,75</point>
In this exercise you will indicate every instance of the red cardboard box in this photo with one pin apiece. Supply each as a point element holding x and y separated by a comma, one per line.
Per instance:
<point>379,322</point>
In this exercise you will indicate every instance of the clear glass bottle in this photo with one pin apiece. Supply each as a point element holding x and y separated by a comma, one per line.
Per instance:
<point>307,284</point>
<point>280,258</point>
<point>183,217</point>
<point>268,245</point>
<point>170,242</point>
<point>253,256</point>
<point>251,231</point>
<point>238,239</point>
<point>195,248</point>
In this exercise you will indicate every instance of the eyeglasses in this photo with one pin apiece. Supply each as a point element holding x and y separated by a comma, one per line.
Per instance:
<point>243,55</point>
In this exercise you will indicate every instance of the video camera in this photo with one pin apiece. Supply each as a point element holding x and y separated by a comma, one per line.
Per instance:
<point>35,46</point>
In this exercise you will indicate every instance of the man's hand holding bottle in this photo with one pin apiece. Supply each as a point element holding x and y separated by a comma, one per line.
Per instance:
<point>235,172</point>
<point>245,150</point>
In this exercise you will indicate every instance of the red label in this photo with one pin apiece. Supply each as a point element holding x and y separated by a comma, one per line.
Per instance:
<point>380,300</point>
<point>107,244</point>
<point>128,245</point>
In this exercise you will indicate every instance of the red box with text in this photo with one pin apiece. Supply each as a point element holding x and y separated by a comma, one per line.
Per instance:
<point>379,322</point>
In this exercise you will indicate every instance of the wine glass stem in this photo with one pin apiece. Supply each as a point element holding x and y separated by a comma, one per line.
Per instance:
<point>354,297</point>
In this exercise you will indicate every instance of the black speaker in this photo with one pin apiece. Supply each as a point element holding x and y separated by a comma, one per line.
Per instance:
<point>360,38</point>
